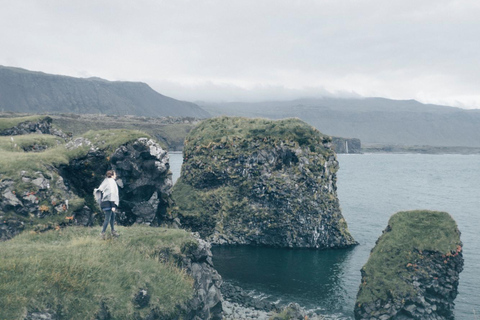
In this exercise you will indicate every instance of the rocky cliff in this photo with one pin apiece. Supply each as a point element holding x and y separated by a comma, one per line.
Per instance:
<point>261,182</point>
<point>51,188</point>
<point>53,185</point>
<point>345,145</point>
<point>413,271</point>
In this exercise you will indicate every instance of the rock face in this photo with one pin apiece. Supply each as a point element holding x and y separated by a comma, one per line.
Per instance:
<point>144,178</point>
<point>261,182</point>
<point>39,126</point>
<point>40,200</point>
<point>344,145</point>
<point>207,300</point>
<point>413,271</point>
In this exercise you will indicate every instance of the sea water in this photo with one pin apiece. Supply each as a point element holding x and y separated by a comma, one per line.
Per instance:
<point>371,187</point>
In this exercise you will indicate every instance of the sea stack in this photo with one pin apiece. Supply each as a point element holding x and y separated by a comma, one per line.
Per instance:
<point>261,182</point>
<point>413,270</point>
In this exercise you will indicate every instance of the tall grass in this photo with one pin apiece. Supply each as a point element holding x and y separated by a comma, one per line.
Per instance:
<point>71,271</point>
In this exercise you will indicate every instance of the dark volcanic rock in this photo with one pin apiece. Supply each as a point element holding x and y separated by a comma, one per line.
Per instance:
<point>413,271</point>
<point>38,126</point>
<point>207,300</point>
<point>144,178</point>
<point>261,182</point>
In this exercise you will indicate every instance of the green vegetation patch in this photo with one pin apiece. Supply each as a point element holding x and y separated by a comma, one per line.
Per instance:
<point>7,123</point>
<point>22,142</point>
<point>71,271</point>
<point>233,128</point>
<point>109,140</point>
<point>388,270</point>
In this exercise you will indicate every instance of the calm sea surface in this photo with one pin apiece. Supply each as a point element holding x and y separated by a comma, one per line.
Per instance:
<point>371,187</point>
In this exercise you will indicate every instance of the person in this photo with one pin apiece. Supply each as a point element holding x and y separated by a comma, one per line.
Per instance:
<point>109,202</point>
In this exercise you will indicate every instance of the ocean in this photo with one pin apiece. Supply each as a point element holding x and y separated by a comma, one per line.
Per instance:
<point>371,188</point>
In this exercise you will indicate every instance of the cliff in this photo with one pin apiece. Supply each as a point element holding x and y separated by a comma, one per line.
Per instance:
<point>346,145</point>
<point>260,182</point>
<point>46,181</point>
<point>36,92</point>
<point>413,270</point>
<point>57,271</point>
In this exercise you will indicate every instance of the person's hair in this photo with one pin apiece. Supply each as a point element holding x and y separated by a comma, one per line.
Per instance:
<point>110,173</point>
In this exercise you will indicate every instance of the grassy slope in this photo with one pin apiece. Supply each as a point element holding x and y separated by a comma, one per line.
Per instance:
<point>411,232</point>
<point>71,270</point>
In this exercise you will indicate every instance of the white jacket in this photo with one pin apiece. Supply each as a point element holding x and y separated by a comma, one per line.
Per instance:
<point>110,190</point>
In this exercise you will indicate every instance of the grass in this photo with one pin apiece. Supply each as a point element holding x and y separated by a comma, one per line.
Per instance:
<point>233,128</point>
<point>109,140</point>
<point>70,271</point>
<point>7,123</point>
<point>19,143</point>
<point>412,232</point>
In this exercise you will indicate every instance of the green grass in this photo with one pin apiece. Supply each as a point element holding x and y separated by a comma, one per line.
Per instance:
<point>223,129</point>
<point>71,270</point>
<point>7,123</point>
<point>109,140</point>
<point>19,143</point>
<point>412,232</point>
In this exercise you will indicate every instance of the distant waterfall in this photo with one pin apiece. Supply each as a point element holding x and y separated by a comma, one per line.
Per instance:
<point>346,146</point>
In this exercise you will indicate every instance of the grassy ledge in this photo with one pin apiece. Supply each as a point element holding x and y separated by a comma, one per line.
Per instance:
<point>70,271</point>
<point>408,235</point>
<point>7,123</point>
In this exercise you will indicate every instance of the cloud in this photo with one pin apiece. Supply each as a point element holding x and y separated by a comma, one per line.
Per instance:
<point>237,50</point>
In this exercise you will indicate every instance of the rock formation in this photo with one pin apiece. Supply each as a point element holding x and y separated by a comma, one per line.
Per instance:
<point>54,187</point>
<point>345,145</point>
<point>413,271</point>
<point>261,182</point>
<point>144,178</point>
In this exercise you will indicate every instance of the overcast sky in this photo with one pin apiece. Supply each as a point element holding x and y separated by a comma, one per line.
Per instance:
<point>247,50</point>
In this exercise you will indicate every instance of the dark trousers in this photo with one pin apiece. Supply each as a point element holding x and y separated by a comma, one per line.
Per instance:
<point>109,218</point>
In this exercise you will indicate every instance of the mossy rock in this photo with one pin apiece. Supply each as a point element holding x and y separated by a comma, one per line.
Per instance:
<point>413,270</point>
<point>261,182</point>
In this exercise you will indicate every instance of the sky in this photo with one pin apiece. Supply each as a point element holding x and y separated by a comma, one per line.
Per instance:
<point>255,50</point>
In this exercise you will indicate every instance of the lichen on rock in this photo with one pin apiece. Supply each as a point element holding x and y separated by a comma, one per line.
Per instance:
<point>413,270</point>
<point>260,182</point>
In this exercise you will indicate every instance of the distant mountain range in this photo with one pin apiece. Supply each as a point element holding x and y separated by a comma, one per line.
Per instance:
<point>372,120</point>
<point>37,92</point>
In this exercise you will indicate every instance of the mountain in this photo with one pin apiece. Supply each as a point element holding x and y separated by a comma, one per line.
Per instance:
<point>372,120</point>
<point>36,92</point>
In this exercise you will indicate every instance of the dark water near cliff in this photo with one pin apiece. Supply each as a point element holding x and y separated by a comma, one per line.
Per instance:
<point>371,187</point>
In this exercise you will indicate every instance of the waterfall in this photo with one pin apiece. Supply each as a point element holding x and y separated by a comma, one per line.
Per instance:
<point>346,146</point>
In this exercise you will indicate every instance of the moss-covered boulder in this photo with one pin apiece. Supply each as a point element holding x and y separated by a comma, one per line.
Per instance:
<point>413,270</point>
<point>260,182</point>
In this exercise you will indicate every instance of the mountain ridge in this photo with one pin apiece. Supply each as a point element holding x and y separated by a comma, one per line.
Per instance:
<point>372,120</point>
<point>22,90</point>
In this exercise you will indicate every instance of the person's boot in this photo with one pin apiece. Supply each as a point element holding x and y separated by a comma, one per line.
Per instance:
<point>115,233</point>
<point>102,235</point>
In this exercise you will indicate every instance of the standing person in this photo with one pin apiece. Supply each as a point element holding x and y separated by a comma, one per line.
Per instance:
<point>109,201</point>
